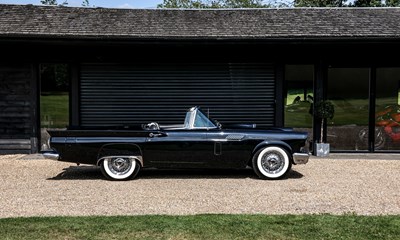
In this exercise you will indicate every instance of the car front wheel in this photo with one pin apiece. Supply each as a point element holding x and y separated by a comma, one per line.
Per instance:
<point>271,162</point>
<point>120,168</point>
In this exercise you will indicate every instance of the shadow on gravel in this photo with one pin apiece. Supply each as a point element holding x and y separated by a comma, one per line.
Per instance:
<point>79,173</point>
<point>93,173</point>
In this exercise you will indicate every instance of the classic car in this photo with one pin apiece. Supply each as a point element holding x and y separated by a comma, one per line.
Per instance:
<point>200,142</point>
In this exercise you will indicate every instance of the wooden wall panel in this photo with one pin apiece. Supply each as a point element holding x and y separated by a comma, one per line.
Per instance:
<point>17,108</point>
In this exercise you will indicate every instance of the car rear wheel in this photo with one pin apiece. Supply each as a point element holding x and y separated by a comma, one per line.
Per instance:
<point>120,168</point>
<point>271,162</point>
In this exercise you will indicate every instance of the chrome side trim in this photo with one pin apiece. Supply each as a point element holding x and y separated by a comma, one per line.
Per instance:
<point>138,158</point>
<point>301,158</point>
<point>51,155</point>
<point>110,139</point>
<point>235,137</point>
<point>57,140</point>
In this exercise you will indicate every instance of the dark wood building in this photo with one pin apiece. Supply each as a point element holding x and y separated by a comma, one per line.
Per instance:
<point>264,66</point>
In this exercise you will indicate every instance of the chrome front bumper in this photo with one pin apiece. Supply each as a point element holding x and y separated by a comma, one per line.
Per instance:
<point>51,155</point>
<point>301,158</point>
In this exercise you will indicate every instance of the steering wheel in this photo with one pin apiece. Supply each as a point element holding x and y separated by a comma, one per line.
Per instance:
<point>219,125</point>
<point>151,126</point>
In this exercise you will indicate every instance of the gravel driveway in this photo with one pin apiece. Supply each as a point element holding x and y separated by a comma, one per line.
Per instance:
<point>48,188</point>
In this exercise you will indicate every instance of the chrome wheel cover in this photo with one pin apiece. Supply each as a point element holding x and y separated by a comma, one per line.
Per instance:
<point>119,166</point>
<point>272,162</point>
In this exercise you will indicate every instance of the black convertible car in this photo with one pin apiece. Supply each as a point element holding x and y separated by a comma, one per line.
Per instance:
<point>199,142</point>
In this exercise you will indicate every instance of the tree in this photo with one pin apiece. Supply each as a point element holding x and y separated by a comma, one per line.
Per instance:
<point>242,4</point>
<point>53,2</point>
<point>319,3</point>
<point>48,2</point>
<point>324,110</point>
<point>376,3</point>
<point>54,77</point>
<point>345,3</point>
<point>181,4</point>
<point>213,4</point>
<point>392,3</point>
<point>368,3</point>
<point>85,3</point>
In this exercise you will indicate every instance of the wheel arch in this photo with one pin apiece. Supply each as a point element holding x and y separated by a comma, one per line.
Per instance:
<point>120,149</point>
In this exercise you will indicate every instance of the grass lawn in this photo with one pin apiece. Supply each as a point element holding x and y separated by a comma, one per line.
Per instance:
<point>54,110</point>
<point>203,227</point>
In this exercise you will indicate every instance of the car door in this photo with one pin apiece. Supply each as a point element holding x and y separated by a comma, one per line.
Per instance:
<point>185,148</point>
<point>231,148</point>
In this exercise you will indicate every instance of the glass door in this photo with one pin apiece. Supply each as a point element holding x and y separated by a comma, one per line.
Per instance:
<point>299,97</point>
<point>348,90</point>
<point>54,99</point>
<point>387,110</point>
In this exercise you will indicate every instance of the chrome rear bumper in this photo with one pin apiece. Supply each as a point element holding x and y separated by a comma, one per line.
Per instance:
<point>301,158</point>
<point>51,155</point>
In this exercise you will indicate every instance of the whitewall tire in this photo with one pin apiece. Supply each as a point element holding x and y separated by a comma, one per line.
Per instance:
<point>271,162</point>
<point>119,168</point>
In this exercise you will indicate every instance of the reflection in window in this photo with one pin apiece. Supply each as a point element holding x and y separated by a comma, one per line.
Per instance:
<point>348,91</point>
<point>54,98</point>
<point>387,110</point>
<point>299,97</point>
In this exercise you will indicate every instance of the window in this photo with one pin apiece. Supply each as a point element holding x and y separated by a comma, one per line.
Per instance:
<point>299,97</point>
<point>54,98</point>
<point>387,109</point>
<point>195,118</point>
<point>201,121</point>
<point>348,89</point>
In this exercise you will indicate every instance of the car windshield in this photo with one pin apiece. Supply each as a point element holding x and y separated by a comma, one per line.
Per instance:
<point>201,121</point>
<point>195,118</point>
<point>187,119</point>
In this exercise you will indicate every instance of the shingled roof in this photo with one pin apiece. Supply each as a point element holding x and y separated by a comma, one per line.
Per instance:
<point>29,21</point>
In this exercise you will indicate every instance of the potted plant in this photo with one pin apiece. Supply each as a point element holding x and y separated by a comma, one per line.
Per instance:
<point>323,110</point>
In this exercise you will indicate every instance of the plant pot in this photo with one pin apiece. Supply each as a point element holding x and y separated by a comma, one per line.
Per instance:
<point>322,149</point>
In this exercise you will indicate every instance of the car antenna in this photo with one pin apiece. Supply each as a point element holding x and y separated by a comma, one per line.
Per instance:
<point>208,112</point>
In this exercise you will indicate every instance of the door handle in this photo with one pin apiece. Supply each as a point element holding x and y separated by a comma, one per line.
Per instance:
<point>156,135</point>
<point>217,149</point>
